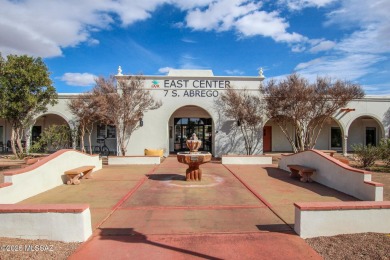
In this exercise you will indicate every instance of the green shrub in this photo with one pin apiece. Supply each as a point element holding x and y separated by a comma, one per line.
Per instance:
<point>366,155</point>
<point>384,147</point>
<point>53,138</point>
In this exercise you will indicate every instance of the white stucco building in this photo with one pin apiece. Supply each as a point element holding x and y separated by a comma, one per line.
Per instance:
<point>189,105</point>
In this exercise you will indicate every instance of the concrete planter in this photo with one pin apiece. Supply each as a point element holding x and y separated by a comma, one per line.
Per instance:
<point>246,159</point>
<point>128,160</point>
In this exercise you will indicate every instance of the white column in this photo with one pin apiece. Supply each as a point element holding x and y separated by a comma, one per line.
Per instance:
<point>345,146</point>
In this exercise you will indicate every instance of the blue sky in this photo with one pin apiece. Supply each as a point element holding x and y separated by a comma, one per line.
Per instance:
<point>82,39</point>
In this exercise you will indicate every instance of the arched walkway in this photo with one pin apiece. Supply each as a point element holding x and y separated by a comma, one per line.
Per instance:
<point>330,138</point>
<point>366,130</point>
<point>45,121</point>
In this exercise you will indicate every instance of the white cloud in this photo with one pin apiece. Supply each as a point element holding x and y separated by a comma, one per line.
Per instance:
<point>322,45</point>
<point>346,67</point>
<point>187,40</point>
<point>93,42</point>
<point>235,72</point>
<point>268,25</point>
<point>43,28</point>
<point>357,54</point>
<point>301,4</point>
<point>377,89</point>
<point>165,70</point>
<point>187,56</point>
<point>304,65</point>
<point>243,16</point>
<point>219,15</point>
<point>79,79</point>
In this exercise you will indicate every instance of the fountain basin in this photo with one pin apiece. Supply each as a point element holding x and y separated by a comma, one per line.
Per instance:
<point>193,145</point>
<point>193,160</point>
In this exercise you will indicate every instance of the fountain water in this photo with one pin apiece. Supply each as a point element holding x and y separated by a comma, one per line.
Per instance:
<point>193,159</point>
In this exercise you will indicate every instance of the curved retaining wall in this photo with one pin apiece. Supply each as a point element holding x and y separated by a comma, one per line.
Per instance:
<point>335,174</point>
<point>43,175</point>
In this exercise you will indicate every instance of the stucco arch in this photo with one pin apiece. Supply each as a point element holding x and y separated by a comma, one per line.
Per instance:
<point>52,112</point>
<point>281,144</point>
<point>373,116</point>
<point>364,128</point>
<point>189,111</point>
<point>172,109</point>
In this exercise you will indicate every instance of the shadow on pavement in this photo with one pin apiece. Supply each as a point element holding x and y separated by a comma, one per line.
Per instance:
<point>128,235</point>
<point>280,228</point>
<point>166,177</point>
<point>312,186</point>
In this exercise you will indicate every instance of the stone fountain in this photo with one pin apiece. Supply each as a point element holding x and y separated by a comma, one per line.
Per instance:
<point>193,159</point>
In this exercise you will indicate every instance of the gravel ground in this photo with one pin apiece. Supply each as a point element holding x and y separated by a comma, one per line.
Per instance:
<point>352,246</point>
<point>15,249</point>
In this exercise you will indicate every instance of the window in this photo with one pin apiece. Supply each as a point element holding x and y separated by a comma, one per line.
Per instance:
<point>111,131</point>
<point>335,137</point>
<point>108,131</point>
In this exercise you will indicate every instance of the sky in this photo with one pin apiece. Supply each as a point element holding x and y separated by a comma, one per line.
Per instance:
<point>80,40</point>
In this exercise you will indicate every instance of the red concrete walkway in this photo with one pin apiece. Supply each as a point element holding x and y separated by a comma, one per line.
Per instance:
<point>236,212</point>
<point>151,212</point>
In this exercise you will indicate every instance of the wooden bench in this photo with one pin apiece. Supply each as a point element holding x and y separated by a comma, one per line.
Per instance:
<point>75,174</point>
<point>303,172</point>
<point>330,152</point>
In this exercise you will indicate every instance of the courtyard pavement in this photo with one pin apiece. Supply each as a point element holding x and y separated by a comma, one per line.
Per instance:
<point>151,212</point>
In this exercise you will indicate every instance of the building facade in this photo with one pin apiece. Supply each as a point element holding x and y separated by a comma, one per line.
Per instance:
<point>190,105</point>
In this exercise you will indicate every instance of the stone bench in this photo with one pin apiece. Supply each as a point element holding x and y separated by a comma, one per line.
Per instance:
<point>301,171</point>
<point>75,174</point>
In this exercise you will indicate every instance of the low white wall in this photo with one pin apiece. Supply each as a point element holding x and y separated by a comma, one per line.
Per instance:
<point>67,223</point>
<point>242,159</point>
<point>44,175</point>
<point>335,174</point>
<point>330,219</point>
<point>125,160</point>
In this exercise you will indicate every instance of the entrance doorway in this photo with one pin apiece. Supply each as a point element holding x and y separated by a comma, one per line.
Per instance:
<point>186,126</point>
<point>267,139</point>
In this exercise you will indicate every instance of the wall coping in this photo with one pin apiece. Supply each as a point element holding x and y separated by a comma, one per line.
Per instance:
<point>43,208</point>
<point>41,162</point>
<point>342,205</point>
<point>134,156</point>
<point>243,155</point>
<point>333,160</point>
<point>5,184</point>
<point>373,183</point>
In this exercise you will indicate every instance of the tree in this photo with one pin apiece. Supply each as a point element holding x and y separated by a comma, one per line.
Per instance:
<point>306,106</point>
<point>87,111</point>
<point>25,91</point>
<point>123,105</point>
<point>246,109</point>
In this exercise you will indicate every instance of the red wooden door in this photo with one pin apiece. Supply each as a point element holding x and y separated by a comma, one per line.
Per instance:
<point>267,139</point>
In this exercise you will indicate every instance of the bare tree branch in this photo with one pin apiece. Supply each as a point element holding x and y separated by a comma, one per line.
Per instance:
<point>247,110</point>
<point>294,101</point>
